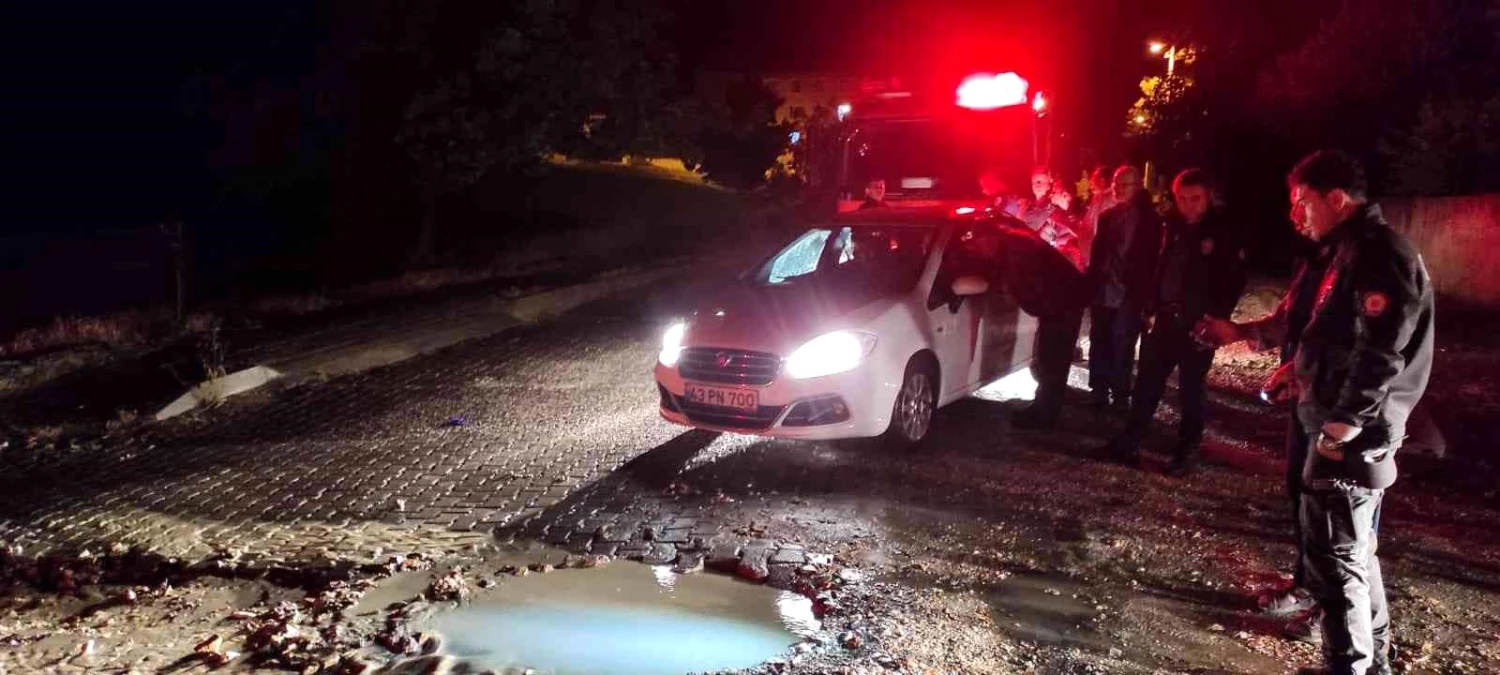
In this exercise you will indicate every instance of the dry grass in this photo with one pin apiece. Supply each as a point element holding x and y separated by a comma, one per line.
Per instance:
<point>406,285</point>
<point>120,330</point>
<point>127,328</point>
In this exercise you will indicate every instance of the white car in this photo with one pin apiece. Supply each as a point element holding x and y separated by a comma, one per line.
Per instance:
<point>861,327</point>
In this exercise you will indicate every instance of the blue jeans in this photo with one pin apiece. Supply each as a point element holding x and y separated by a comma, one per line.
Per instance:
<point>1113,334</point>
<point>1338,528</point>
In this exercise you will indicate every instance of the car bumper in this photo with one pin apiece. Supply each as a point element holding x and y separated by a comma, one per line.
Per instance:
<point>867,397</point>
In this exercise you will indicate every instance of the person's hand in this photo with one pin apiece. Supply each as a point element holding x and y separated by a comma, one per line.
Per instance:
<point>1340,432</point>
<point>1211,331</point>
<point>1062,200</point>
<point>1282,385</point>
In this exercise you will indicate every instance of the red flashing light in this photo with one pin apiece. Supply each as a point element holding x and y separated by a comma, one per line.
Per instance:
<point>986,91</point>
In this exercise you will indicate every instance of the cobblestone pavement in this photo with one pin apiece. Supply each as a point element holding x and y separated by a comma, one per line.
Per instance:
<point>550,433</point>
<point>437,451</point>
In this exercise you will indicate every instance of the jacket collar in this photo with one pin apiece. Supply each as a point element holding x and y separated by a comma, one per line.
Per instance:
<point>1364,217</point>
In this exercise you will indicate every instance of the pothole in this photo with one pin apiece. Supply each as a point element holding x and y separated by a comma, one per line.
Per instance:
<point>623,618</point>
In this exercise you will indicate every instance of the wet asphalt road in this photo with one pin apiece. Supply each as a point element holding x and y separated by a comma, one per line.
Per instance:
<point>550,433</point>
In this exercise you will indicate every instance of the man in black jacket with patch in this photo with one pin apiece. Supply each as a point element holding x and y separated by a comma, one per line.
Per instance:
<point>1200,273</point>
<point>1362,363</point>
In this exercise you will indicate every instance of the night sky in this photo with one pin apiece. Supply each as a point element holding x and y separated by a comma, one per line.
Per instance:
<point>99,88</point>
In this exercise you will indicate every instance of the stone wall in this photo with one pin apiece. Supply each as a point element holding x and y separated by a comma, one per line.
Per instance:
<point>1459,238</point>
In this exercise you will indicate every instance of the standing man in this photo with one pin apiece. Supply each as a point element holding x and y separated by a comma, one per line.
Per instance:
<point>1121,266</point>
<point>998,194</point>
<point>874,195</point>
<point>1201,273</point>
<point>1283,328</point>
<point>1046,213</point>
<point>1101,197</point>
<point>1362,363</point>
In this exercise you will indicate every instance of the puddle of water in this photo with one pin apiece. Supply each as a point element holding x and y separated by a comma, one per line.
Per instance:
<point>1043,609</point>
<point>626,619</point>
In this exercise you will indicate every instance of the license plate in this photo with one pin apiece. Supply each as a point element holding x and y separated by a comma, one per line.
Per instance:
<point>724,397</point>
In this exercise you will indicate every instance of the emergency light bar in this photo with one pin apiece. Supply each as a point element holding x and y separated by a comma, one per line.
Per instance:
<point>987,91</point>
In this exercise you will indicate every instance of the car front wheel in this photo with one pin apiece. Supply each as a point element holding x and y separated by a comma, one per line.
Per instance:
<point>916,403</point>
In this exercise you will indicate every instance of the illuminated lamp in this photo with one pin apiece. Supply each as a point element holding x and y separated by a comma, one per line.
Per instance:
<point>963,210</point>
<point>986,91</point>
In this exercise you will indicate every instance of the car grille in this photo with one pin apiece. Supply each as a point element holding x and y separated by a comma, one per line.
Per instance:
<point>728,366</point>
<point>729,418</point>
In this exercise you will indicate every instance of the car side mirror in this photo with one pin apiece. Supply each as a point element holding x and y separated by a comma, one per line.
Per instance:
<point>969,285</point>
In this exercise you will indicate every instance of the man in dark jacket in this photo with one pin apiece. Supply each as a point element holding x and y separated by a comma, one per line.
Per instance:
<point>1362,363</point>
<point>1048,213</point>
<point>874,195</point>
<point>1121,267</point>
<point>1201,272</point>
<point>1283,328</point>
<point>1047,285</point>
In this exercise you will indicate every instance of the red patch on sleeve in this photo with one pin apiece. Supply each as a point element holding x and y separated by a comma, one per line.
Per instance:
<point>1375,303</point>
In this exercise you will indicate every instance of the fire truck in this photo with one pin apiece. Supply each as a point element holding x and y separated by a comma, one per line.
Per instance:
<point>931,143</point>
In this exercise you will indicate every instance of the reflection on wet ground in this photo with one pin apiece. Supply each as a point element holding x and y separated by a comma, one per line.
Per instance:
<point>625,618</point>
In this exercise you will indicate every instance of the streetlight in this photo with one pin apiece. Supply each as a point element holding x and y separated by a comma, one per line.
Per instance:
<point>1171,52</point>
<point>844,109</point>
<point>1039,106</point>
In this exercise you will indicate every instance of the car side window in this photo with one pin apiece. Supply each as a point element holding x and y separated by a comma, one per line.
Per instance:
<point>800,258</point>
<point>972,250</point>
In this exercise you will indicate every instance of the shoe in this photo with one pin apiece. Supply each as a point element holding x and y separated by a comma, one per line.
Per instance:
<point>1185,462</point>
<point>1380,667</point>
<point>1035,418</point>
<point>1286,604</point>
<point>1122,452</point>
<point>1307,628</point>
<point>1181,467</point>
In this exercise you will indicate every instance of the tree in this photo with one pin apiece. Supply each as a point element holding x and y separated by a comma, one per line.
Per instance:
<point>1394,82</point>
<point>509,82</point>
<point>1452,148</point>
<point>743,139</point>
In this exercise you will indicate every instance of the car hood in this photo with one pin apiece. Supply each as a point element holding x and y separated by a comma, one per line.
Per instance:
<point>778,319</point>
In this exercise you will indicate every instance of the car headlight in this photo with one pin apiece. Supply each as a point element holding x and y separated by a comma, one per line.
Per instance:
<point>830,353</point>
<point>671,344</point>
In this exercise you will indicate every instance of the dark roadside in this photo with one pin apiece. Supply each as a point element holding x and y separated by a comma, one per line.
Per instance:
<point>80,393</point>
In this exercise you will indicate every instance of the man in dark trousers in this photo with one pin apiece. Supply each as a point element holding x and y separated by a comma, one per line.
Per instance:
<point>1362,363</point>
<point>1048,285</point>
<point>1201,272</point>
<point>1121,266</point>
<point>1283,328</point>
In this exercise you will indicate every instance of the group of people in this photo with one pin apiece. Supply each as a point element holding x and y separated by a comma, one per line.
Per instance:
<point>1355,334</point>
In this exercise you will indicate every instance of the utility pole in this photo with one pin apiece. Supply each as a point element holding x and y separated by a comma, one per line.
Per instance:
<point>174,232</point>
